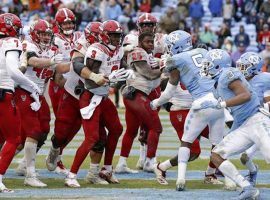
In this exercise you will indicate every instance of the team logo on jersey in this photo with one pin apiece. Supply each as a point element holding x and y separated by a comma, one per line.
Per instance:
<point>215,55</point>
<point>55,89</point>
<point>179,117</point>
<point>23,97</point>
<point>65,96</point>
<point>230,75</point>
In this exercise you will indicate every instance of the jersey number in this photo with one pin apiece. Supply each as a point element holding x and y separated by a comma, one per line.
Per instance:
<point>197,60</point>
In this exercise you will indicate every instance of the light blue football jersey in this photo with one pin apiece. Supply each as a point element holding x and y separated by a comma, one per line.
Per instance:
<point>188,63</point>
<point>241,112</point>
<point>260,83</point>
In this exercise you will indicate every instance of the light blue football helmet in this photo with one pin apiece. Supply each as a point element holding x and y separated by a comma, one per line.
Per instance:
<point>250,63</point>
<point>214,61</point>
<point>177,42</point>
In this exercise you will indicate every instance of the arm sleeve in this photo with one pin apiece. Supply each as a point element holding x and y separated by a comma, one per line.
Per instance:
<point>78,64</point>
<point>13,69</point>
<point>168,93</point>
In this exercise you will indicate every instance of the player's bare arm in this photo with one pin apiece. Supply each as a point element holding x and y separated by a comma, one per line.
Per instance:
<point>143,69</point>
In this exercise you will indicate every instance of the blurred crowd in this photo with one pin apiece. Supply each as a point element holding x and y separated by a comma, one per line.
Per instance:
<point>233,25</point>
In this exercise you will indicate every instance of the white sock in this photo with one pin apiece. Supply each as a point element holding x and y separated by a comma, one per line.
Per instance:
<point>122,160</point>
<point>183,156</point>
<point>251,166</point>
<point>142,152</point>
<point>1,178</point>
<point>94,168</point>
<point>108,167</point>
<point>228,169</point>
<point>210,170</point>
<point>251,151</point>
<point>164,166</point>
<point>30,150</point>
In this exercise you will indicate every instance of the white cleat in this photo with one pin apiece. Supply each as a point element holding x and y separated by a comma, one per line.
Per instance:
<point>61,169</point>
<point>124,169</point>
<point>180,185</point>
<point>95,179</point>
<point>108,176</point>
<point>51,159</point>
<point>229,184</point>
<point>212,179</point>
<point>71,181</point>
<point>4,189</point>
<point>160,175</point>
<point>149,165</point>
<point>33,181</point>
<point>140,164</point>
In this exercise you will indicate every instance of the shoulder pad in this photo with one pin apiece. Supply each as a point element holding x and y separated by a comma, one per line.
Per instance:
<point>12,44</point>
<point>230,75</point>
<point>95,53</point>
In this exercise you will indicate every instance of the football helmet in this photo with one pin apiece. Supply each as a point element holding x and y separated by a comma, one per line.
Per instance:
<point>41,33</point>
<point>250,63</point>
<point>111,34</point>
<point>214,62</point>
<point>147,23</point>
<point>92,31</point>
<point>65,20</point>
<point>177,42</point>
<point>10,25</point>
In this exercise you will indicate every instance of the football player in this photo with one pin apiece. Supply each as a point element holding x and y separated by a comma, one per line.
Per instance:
<point>10,120</point>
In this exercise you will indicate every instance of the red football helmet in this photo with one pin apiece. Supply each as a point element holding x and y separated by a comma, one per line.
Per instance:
<point>41,33</point>
<point>111,34</point>
<point>147,23</point>
<point>10,25</point>
<point>65,19</point>
<point>92,31</point>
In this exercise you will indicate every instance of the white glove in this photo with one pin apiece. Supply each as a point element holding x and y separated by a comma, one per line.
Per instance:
<point>24,60</point>
<point>154,104</point>
<point>118,75</point>
<point>153,63</point>
<point>130,74</point>
<point>36,104</point>
<point>56,59</point>
<point>128,48</point>
<point>99,79</point>
<point>163,60</point>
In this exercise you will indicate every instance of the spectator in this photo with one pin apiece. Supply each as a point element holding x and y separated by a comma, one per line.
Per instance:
<point>34,7</point>
<point>259,24</point>
<point>266,66</point>
<point>241,49</point>
<point>265,8</point>
<point>91,13</point>
<point>242,37</point>
<point>228,12</point>
<point>228,45</point>
<point>145,6</point>
<point>196,12</point>
<point>170,21</point>
<point>126,19</point>
<point>266,52</point>
<point>264,36</point>
<point>223,33</point>
<point>252,18</point>
<point>182,9</point>
<point>113,10</point>
<point>208,37</point>
<point>215,7</point>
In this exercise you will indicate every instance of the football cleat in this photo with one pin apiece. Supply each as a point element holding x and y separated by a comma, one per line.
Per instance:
<point>180,185</point>
<point>149,165</point>
<point>212,179</point>
<point>33,181</point>
<point>160,175</point>
<point>249,192</point>
<point>95,179</point>
<point>4,189</point>
<point>71,181</point>
<point>51,160</point>
<point>229,184</point>
<point>124,169</point>
<point>252,176</point>
<point>61,169</point>
<point>108,176</point>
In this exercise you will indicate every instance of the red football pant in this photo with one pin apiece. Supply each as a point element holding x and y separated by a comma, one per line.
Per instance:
<point>138,112</point>
<point>35,124</point>
<point>10,130</point>
<point>105,114</point>
<point>55,93</point>
<point>68,120</point>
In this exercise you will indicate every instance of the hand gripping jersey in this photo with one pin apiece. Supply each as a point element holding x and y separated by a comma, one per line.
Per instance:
<point>188,63</point>
<point>260,84</point>
<point>109,62</point>
<point>159,43</point>
<point>140,82</point>
<point>241,112</point>
<point>7,44</point>
<point>40,76</point>
<point>73,78</point>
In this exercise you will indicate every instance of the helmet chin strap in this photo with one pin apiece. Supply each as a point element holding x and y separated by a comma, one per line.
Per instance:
<point>69,32</point>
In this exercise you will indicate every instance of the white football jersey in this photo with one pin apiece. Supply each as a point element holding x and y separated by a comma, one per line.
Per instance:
<point>140,82</point>
<point>181,99</point>
<point>109,63</point>
<point>40,76</point>
<point>7,44</point>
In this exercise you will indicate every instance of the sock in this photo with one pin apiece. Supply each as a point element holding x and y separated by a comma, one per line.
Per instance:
<point>142,152</point>
<point>210,170</point>
<point>229,170</point>
<point>108,167</point>
<point>122,160</point>
<point>164,166</point>
<point>30,150</point>
<point>1,178</point>
<point>183,156</point>
<point>251,166</point>
<point>94,168</point>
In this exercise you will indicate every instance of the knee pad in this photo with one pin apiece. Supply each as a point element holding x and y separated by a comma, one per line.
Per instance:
<point>99,146</point>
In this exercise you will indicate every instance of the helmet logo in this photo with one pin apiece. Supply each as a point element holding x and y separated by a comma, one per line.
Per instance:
<point>215,55</point>
<point>173,38</point>
<point>8,20</point>
<point>254,59</point>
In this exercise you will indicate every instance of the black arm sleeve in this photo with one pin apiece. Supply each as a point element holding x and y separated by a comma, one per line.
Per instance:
<point>93,65</point>
<point>31,54</point>
<point>78,64</point>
